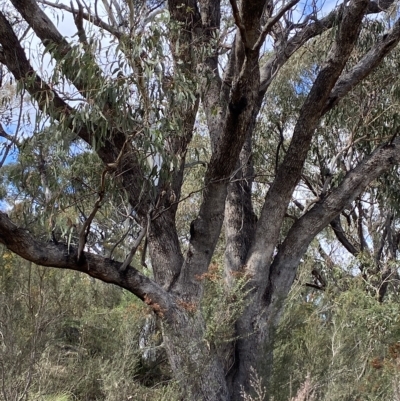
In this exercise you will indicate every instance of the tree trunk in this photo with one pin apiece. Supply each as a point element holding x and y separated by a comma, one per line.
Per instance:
<point>193,360</point>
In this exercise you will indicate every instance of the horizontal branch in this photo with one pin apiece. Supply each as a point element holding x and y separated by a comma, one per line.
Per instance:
<point>22,243</point>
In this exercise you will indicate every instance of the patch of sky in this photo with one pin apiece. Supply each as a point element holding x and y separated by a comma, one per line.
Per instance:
<point>12,155</point>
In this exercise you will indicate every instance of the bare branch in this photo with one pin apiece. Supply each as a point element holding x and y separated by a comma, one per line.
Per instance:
<point>323,213</point>
<point>86,226</point>
<point>365,66</point>
<point>48,34</point>
<point>272,21</point>
<point>21,242</point>
<point>238,22</point>
<point>92,18</point>
<point>108,8</point>
<point>144,232</point>
<point>134,248</point>
<point>315,28</point>
<point>341,236</point>
<point>289,172</point>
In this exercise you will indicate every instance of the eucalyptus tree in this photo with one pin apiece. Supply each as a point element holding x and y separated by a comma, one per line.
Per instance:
<point>136,85</point>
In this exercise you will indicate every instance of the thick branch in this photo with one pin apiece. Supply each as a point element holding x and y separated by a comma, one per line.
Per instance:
<point>240,219</point>
<point>289,172</point>
<point>308,226</point>
<point>238,21</point>
<point>21,242</point>
<point>206,228</point>
<point>250,17</point>
<point>316,28</point>
<point>238,112</point>
<point>278,197</point>
<point>13,56</point>
<point>49,35</point>
<point>365,66</point>
<point>211,81</point>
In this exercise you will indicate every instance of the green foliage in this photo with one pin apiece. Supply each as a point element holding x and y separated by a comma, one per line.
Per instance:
<point>55,342</point>
<point>345,341</point>
<point>222,306</point>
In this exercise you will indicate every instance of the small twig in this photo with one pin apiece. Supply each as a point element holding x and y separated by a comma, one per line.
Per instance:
<point>203,188</point>
<point>196,163</point>
<point>280,144</point>
<point>298,204</point>
<point>345,149</point>
<point>119,241</point>
<point>156,6</point>
<point>176,202</point>
<point>24,34</point>
<point>271,22</point>
<point>238,21</point>
<point>135,246</point>
<point>94,19</point>
<point>109,11</point>
<point>86,225</point>
<point>317,287</point>
<point>318,278</point>
<point>143,232</point>
<point>328,178</point>
<point>12,139</point>
<point>392,138</point>
<point>114,166</point>
<point>309,203</point>
<point>309,184</point>
<point>78,19</point>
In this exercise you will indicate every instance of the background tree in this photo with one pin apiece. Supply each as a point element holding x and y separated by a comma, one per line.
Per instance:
<point>145,92</point>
